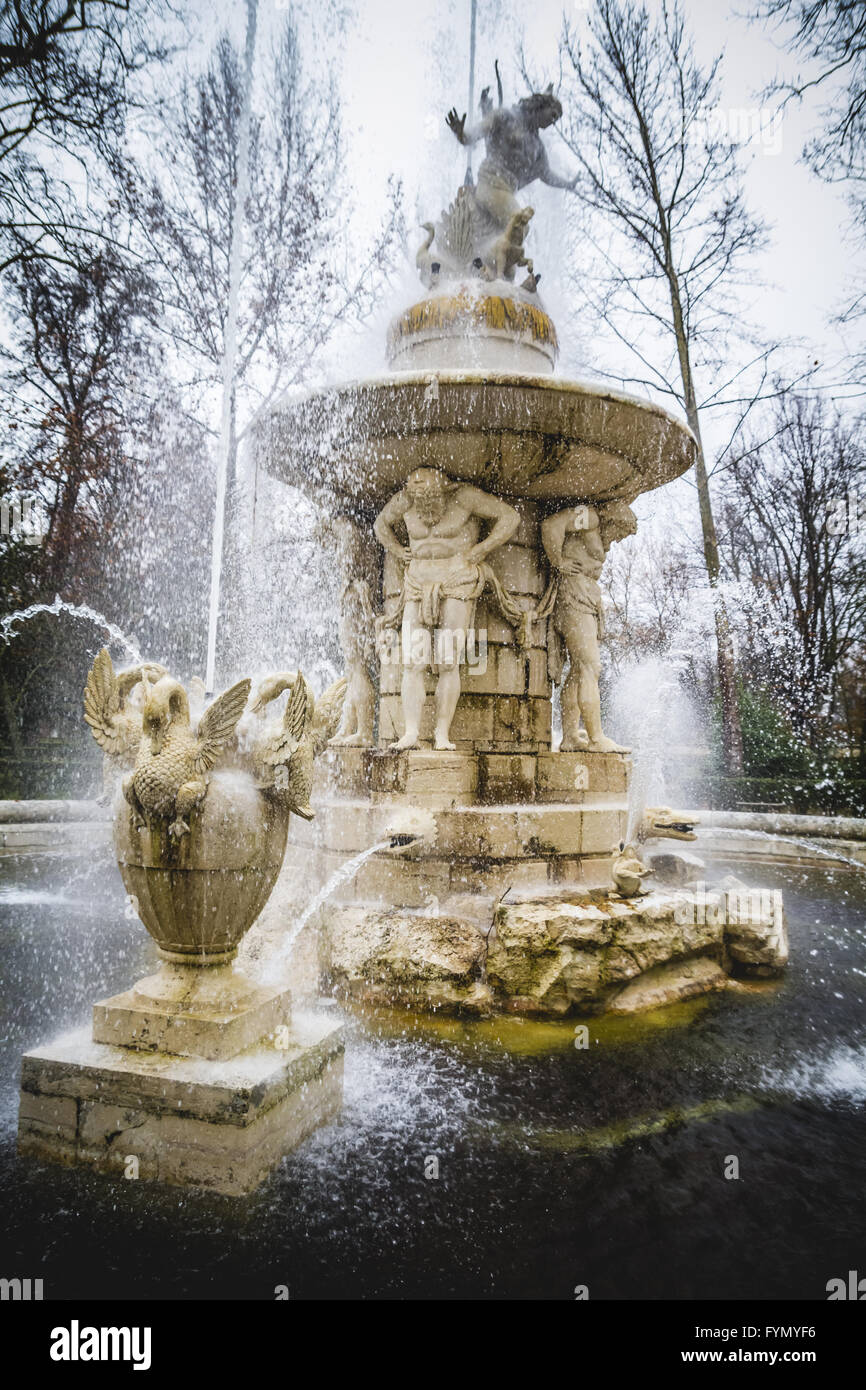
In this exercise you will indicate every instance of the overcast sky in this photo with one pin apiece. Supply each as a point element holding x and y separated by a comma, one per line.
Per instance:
<point>401,63</point>
<point>405,63</point>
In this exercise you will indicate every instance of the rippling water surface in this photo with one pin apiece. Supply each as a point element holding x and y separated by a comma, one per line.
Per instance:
<point>557,1166</point>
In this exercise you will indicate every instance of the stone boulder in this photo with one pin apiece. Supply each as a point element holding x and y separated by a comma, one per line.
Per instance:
<point>669,984</point>
<point>406,958</point>
<point>560,957</point>
<point>581,951</point>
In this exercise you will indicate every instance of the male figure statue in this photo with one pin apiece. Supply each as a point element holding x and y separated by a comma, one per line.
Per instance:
<point>355,553</point>
<point>576,542</point>
<point>444,577</point>
<point>515,155</point>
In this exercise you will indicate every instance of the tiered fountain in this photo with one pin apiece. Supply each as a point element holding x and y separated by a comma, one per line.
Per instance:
<point>494,490</point>
<point>471,497</point>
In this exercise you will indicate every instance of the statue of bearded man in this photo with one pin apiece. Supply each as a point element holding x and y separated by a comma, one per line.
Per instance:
<point>445,574</point>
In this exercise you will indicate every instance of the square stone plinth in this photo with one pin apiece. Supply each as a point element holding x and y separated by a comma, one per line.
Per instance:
<point>582,776</point>
<point>214,1034</point>
<point>220,1125</point>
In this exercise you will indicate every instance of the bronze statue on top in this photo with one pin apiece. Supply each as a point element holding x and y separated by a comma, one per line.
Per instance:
<point>482,234</point>
<point>515,155</point>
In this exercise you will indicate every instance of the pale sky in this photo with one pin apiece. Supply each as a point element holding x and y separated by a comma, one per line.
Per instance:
<point>404,64</point>
<point>400,64</point>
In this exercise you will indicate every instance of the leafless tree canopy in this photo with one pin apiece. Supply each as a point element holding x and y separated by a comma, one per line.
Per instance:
<point>675,235</point>
<point>792,539</point>
<point>65,69</point>
<point>295,288</point>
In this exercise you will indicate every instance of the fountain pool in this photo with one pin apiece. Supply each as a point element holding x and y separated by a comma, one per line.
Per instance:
<point>557,1165</point>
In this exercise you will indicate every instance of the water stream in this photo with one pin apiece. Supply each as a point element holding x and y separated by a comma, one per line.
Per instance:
<point>74,610</point>
<point>342,875</point>
<point>823,853</point>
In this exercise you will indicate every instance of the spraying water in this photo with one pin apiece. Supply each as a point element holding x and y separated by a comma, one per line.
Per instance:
<point>75,610</point>
<point>230,346</point>
<point>342,875</point>
<point>736,833</point>
<point>651,715</point>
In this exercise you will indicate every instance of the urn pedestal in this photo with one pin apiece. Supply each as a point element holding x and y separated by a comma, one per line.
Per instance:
<point>196,1074</point>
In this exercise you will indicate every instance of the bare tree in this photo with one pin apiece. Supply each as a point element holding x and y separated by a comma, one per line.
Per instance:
<point>301,276</point>
<point>653,163</point>
<point>293,292</point>
<point>793,538</point>
<point>75,338</point>
<point>65,70</point>
<point>831,36</point>
<point>72,414</point>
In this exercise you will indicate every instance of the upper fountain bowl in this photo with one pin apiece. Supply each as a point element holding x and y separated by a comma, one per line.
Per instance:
<point>516,435</point>
<point>473,326</point>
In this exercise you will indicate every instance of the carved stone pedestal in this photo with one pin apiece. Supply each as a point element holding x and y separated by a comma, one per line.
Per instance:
<point>181,1120</point>
<point>211,1012</point>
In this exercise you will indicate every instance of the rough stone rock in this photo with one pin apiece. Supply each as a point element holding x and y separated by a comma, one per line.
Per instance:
<point>546,957</point>
<point>668,984</point>
<point>675,867</point>
<point>406,958</point>
<point>756,932</point>
<point>557,957</point>
<point>572,952</point>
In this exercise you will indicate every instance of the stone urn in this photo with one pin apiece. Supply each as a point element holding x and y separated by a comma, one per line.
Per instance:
<point>202,804</point>
<point>199,895</point>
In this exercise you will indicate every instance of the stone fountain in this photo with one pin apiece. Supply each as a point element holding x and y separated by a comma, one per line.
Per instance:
<point>471,497</point>
<point>197,1074</point>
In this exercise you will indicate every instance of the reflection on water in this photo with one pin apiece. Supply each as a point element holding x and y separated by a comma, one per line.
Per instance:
<point>557,1165</point>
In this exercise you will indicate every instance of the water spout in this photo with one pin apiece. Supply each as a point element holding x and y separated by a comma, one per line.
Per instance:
<point>342,875</point>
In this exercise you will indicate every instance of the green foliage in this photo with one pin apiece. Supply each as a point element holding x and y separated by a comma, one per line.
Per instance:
<point>771,748</point>
<point>779,769</point>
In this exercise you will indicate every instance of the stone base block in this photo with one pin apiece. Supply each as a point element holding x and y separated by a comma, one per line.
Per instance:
<point>506,777</point>
<point>345,770</point>
<point>581,775</point>
<point>192,1011</point>
<point>491,773</point>
<point>501,721</point>
<point>423,776</point>
<point>219,1125</point>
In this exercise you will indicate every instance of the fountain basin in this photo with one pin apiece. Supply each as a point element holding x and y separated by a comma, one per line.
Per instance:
<point>527,436</point>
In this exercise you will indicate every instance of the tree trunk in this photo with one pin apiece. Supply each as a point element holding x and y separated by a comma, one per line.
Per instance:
<point>732,733</point>
<point>10,716</point>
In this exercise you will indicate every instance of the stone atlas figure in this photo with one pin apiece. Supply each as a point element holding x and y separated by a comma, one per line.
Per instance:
<point>576,541</point>
<point>445,574</point>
